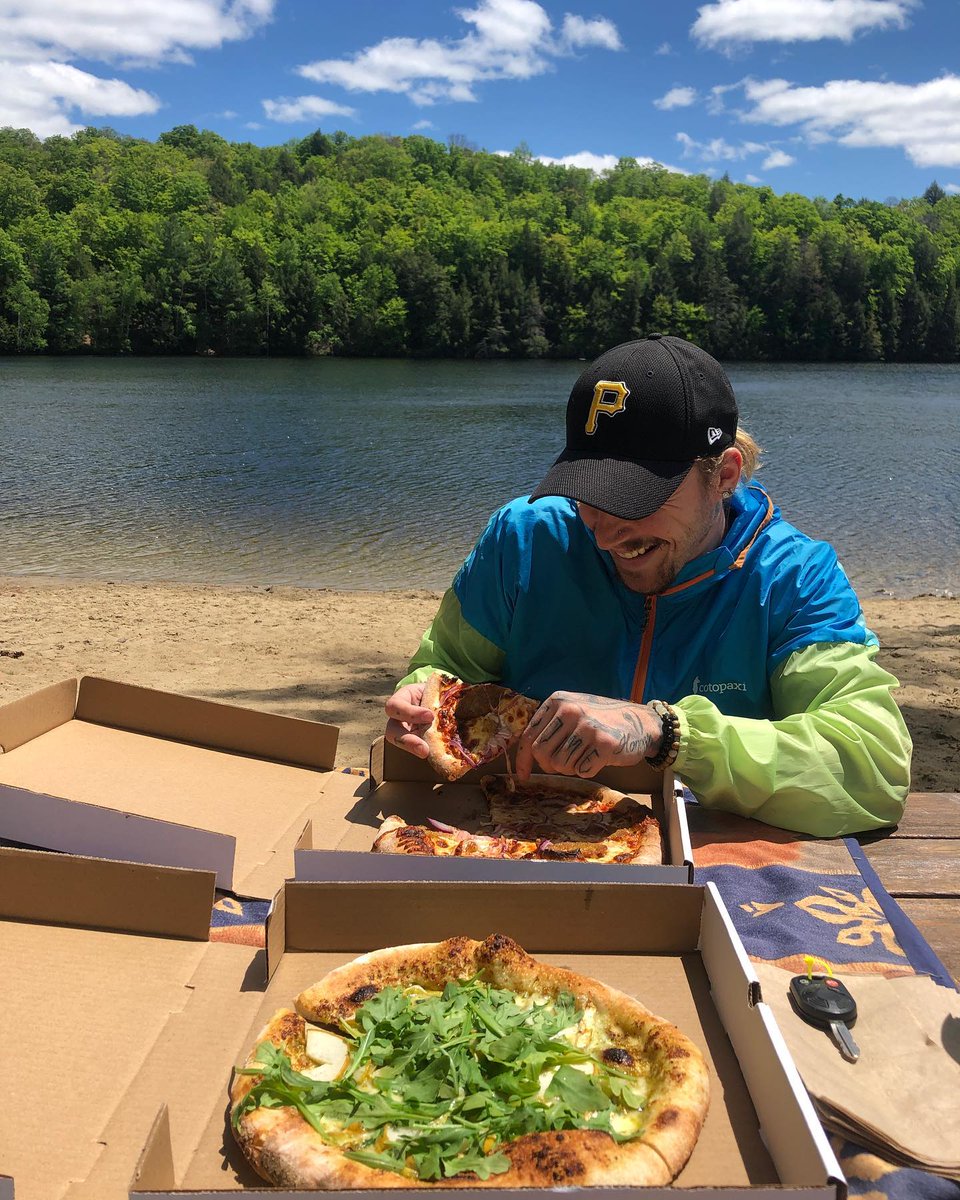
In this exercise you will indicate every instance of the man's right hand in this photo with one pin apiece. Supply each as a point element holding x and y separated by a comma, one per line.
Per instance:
<point>407,719</point>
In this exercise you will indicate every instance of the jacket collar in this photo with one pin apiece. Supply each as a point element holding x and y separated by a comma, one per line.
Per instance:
<point>751,510</point>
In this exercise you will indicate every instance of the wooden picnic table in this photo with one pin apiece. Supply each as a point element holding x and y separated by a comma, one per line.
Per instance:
<point>919,864</point>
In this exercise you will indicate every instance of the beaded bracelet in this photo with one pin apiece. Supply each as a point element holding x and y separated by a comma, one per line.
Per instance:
<point>670,739</point>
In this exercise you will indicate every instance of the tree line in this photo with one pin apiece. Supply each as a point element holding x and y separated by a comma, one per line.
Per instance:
<point>408,246</point>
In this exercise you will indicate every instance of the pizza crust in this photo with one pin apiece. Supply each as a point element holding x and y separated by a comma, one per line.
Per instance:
<point>285,1149</point>
<point>440,757</point>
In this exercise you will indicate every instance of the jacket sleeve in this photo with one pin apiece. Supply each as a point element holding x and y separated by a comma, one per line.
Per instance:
<point>834,761</point>
<point>452,645</point>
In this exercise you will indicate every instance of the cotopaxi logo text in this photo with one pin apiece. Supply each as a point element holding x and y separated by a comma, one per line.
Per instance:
<point>713,689</point>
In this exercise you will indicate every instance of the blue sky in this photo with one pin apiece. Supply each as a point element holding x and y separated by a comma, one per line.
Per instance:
<point>813,96</point>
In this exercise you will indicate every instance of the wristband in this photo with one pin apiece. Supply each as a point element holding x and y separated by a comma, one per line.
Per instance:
<point>666,756</point>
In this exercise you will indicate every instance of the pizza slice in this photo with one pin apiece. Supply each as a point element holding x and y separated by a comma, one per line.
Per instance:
<point>573,819</point>
<point>472,723</point>
<point>467,1064</point>
<point>440,840</point>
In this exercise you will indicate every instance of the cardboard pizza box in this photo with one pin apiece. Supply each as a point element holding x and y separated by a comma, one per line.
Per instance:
<point>116,771</point>
<point>672,946</point>
<point>408,787</point>
<point>97,957</point>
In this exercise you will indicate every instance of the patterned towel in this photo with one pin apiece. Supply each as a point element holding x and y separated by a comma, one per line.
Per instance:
<point>790,895</point>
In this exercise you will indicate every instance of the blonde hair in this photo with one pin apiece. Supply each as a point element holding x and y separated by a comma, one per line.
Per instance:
<point>749,449</point>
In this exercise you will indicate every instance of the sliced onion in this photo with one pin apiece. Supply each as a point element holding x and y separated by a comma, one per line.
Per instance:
<point>442,826</point>
<point>544,845</point>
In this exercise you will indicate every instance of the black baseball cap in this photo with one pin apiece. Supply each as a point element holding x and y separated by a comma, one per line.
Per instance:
<point>637,419</point>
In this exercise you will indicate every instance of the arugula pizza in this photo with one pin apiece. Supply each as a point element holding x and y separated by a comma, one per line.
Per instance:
<point>472,724</point>
<point>467,1064</point>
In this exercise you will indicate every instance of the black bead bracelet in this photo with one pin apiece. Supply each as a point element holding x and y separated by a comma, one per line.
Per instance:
<point>670,736</point>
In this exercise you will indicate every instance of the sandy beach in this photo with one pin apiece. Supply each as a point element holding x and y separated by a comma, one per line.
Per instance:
<point>333,656</point>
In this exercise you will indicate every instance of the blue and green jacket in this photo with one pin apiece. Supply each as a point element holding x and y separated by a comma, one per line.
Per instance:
<point>760,644</point>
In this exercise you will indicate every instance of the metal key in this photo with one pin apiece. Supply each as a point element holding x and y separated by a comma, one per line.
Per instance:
<point>824,1001</point>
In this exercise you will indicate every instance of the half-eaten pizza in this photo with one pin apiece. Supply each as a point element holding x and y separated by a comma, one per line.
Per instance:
<point>547,817</point>
<point>467,1064</point>
<point>473,723</point>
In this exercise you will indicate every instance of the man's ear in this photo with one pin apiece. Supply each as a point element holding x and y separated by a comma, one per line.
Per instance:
<point>728,476</point>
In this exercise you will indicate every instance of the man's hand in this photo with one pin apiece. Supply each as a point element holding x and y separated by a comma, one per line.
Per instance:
<point>573,733</point>
<point>408,719</point>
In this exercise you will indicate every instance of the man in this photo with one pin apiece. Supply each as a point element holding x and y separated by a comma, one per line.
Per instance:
<point>660,607</point>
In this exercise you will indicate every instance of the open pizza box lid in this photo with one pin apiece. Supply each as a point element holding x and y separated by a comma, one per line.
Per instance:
<point>672,946</point>
<point>408,787</point>
<point>117,771</point>
<point>97,957</point>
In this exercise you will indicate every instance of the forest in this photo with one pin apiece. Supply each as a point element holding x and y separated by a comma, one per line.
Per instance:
<point>406,246</point>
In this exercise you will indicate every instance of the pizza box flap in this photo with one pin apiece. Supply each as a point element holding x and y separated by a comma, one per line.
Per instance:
<point>672,946</point>
<point>131,773</point>
<point>65,889</point>
<point>96,957</point>
<point>335,850</point>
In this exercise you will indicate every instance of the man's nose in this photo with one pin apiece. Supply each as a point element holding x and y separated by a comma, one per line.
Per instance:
<point>609,530</point>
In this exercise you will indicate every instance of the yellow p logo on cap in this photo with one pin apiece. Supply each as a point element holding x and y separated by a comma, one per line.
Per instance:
<point>609,398</point>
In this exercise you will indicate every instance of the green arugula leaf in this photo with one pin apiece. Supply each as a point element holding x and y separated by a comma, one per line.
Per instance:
<point>484,1165</point>
<point>577,1091</point>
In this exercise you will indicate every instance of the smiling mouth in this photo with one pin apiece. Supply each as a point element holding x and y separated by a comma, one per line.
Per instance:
<point>637,551</point>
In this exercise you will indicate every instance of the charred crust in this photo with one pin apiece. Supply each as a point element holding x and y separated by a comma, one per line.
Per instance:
<point>547,1158</point>
<point>618,1056</point>
<point>668,1117</point>
<point>677,1052</point>
<point>290,1026</point>
<point>362,994</point>
<point>499,943</point>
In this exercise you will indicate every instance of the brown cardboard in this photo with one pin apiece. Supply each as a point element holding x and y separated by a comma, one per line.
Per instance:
<point>86,992</point>
<point>673,946</point>
<point>408,787</point>
<point>117,771</point>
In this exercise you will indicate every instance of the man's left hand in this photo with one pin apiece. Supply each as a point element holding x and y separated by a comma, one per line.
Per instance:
<point>574,733</point>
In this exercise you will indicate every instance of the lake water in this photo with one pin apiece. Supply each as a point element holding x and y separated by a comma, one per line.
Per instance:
<point>380,474</point>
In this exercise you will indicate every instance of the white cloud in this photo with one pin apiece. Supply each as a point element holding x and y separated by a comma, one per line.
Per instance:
<point>718,149</point>
<point>921,119</point>
<point>678,97</point>
<point>39,96</point>
<point>40,90</point>
<point>598,163</point>
<point>952,187</point>
<point>423,125</point>
<point>304,108</point>
<point>509,39</point>
<point>752,179</point>
<point>727,22</point>
<point>663,48</point>
<point>779,158</point>
<point>578,33</point>
<point>142,31</point>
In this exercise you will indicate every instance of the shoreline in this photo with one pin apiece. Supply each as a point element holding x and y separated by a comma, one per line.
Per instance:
<point>333,655</point>
<point>882,595</point>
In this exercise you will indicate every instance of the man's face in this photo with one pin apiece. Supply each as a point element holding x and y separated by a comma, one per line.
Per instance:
<point>649,554</point>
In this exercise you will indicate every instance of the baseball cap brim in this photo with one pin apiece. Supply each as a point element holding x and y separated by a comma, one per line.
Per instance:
<point>626,489</point>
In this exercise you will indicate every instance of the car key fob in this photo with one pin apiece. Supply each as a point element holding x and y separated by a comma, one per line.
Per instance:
<point>826,1003</point>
